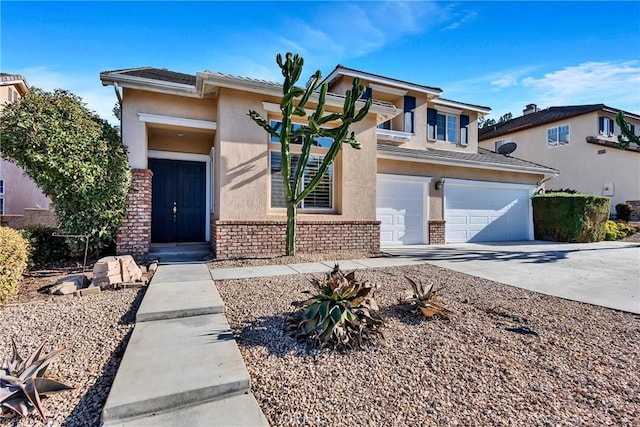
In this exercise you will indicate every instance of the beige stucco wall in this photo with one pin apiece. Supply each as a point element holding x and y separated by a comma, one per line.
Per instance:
<point>242,168</point>
<point>581,166</point>
<point>419,139</point>
<point>436,206</point>
<point>20,191</point>
<point>135,132</point>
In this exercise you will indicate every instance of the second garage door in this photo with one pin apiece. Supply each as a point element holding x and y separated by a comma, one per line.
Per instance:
<point>401,208</point>
<point>479,211</point>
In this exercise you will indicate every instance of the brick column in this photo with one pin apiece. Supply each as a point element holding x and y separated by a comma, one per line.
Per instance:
<point>134,234</point>
<point>436,233</point>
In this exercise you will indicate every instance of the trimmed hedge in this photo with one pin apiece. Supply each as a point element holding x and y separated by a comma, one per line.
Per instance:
<point>623,212</point>
<point>14,251</point>
<point>563,217</point>
<point>45,247</point>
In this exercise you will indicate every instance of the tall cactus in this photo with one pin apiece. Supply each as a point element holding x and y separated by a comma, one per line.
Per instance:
<point>293,102</point>
<point>626,136</point>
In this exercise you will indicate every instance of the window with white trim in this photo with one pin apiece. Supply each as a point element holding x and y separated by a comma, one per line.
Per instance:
<point>606,126</point>
<point>321,198</point>
<point>558,136</point>
<point>444,126</point>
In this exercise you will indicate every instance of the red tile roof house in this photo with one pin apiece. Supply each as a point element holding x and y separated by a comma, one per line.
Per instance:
<point>581,141</point>
<point>204,172</point>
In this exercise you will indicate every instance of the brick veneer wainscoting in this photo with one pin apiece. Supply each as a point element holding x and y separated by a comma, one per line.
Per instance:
<point>134,234</point>
<point>231,239</point>
<point>436,232</point>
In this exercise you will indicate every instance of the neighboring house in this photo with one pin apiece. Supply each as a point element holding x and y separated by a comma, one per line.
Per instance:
<point>581,141</point>
<point>17,191</point>
<point>203,171</point>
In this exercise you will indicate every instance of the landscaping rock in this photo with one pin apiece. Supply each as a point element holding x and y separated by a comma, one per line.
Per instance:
<point>69,284</point>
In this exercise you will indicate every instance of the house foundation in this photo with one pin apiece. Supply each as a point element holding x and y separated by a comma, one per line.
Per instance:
<point>236,239</point>
<point>436,233</point>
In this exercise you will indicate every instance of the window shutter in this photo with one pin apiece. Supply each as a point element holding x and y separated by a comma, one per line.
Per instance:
<point>601,125</point>
<point>611,123</point>
<point>409,103</point>
<point>632,128</point>
<point>464,130</point>
<point>368,93</point>
<point>432,118</point>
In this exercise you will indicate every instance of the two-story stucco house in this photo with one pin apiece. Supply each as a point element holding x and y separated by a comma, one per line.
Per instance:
<point>203,171</point>
<point>17,191</point>
<point>581,142</point>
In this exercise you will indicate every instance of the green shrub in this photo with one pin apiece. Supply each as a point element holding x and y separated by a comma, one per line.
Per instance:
<point>616,231</point>
<point>623,212</point>
<point>563,217</point>
<point>45,247</point>
<point>14,252</point>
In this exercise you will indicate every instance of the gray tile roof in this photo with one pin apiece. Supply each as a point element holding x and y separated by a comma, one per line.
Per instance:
<point>548,115</point>
<point>243,78</point>
<point>161,74</point>
<point>6,77</point>
<point>390,79</point>
<point>482,158</point>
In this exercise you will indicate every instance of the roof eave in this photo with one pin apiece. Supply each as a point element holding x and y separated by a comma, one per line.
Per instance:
<point>472,164</point>
<point>271,90</point>
<point>141,83</point>
<point>340,71</point>
<point>447,103</point>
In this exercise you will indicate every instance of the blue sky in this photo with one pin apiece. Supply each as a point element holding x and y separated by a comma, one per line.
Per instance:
<point>499,54</point>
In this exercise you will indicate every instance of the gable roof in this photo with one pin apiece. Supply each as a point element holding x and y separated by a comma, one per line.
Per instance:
<point>483,159</point>
<point>151,73</point>
<point>163,80</point>
<point>17,80</point>
<point>341,70</point>
<point>542,117</point>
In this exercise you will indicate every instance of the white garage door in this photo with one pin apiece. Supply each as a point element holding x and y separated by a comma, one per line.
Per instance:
<point>401,208</point>
<point>478,211</point>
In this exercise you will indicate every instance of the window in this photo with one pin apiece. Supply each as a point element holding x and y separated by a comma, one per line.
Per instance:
<point>1,187</point>
<point>605,126</point>
<point>322,196</point>
<point>558,136</point>
<point>1,206</point>
<point>447,127</point>
<point>409,108</point>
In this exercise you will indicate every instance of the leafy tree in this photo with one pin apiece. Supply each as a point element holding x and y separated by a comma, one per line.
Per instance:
<point>293,103</point>
<point>627,137</point>
<point>484,122</point>
<point>74,156</point>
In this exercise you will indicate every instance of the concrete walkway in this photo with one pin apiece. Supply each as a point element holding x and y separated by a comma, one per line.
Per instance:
<point>182,366</point>
<point>602,273</point>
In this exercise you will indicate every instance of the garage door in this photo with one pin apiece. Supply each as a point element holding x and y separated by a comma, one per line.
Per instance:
<point>401,208</point>
<point>478,211</point>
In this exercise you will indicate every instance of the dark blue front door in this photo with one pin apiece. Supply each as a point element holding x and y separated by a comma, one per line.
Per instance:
<point>178,201</point>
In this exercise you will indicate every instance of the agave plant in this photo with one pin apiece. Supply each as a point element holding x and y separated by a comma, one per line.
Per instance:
<point>23,384</point>
<point>423,301</point>
<point>343,314</point>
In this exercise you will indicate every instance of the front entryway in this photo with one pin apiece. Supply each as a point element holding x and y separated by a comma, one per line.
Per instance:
<point>178,201</point>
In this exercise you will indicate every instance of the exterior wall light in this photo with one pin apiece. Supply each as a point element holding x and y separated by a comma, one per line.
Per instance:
<point>439,184</point>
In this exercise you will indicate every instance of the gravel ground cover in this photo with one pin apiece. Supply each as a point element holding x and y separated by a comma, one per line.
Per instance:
<point>298,258</point>
<point>510,357</point>
<point>94,330</point>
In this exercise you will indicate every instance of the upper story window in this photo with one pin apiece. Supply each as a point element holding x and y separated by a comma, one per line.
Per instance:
<point>321,198</point>
<point>448,127</point>
<point>606,126</point>
<point>558,136</point>
<point>1,187</point>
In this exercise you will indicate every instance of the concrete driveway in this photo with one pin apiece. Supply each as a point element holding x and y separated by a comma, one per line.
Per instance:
<point>602,273</point>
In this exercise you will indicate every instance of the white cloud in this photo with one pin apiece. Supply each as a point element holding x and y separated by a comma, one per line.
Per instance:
<point>469,16</point>
<point>335,32</point>
<point>614,83</point>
